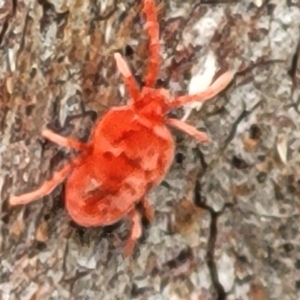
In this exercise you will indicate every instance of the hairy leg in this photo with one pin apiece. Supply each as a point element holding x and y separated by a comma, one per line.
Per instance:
<point>63,141</point>
<point>152,28</point>
<point>188,129</point>
<point>135,232</point>
<point>46,188</point>
<point>220,84</point>
<point>148,209</point>
<point>128,78</point>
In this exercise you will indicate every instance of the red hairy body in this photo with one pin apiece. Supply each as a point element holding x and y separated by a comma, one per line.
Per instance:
<point>132,156</point>
<point>129,151</point>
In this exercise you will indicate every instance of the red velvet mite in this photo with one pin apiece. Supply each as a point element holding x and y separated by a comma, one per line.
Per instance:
<point>129,151</point>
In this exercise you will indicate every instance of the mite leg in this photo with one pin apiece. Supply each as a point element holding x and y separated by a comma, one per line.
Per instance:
<point>188,129</point>
<point>128,78</point>
<point>46,188</point>
<point>220,84</point>
<point>135,231</point>
<point>147,209</point>
<point>63,141</point>
<point>152,28</point>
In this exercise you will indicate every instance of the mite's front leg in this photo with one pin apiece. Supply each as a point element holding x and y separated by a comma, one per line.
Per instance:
<point>128,78</point>
<point>188,129</point>
<point>214,89</point>
<point>152,27</point>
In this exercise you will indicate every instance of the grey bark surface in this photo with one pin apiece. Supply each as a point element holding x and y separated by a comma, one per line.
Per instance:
<point>227,223</point>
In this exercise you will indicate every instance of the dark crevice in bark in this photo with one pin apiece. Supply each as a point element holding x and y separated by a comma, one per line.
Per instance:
<point>4,29</point>
<point>294,69</point>
<point>200,201</point>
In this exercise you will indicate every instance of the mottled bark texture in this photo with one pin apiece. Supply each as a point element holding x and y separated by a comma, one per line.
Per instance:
<point>227,221</point>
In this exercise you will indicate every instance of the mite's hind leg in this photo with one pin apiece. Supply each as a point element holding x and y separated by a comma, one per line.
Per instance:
<point>147,209</point>
<point>46,188</point>
<point>63,141</point>
<point>188,129</point>
<point>135,231</point>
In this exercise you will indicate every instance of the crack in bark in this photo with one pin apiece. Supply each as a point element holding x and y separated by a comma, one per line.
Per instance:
<point>294,65</point>
<point>239,119</point>
<point>3,30</point>
<point>200,201</point>
<point>9,11</point>
<point>260,62</point>
<point>293,73</point>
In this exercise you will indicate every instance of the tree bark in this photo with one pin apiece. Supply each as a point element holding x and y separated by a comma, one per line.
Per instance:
<point>227,214</point>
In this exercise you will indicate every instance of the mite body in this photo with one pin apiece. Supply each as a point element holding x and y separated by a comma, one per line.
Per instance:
<point>128,157</point>
<point>129,151</point>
